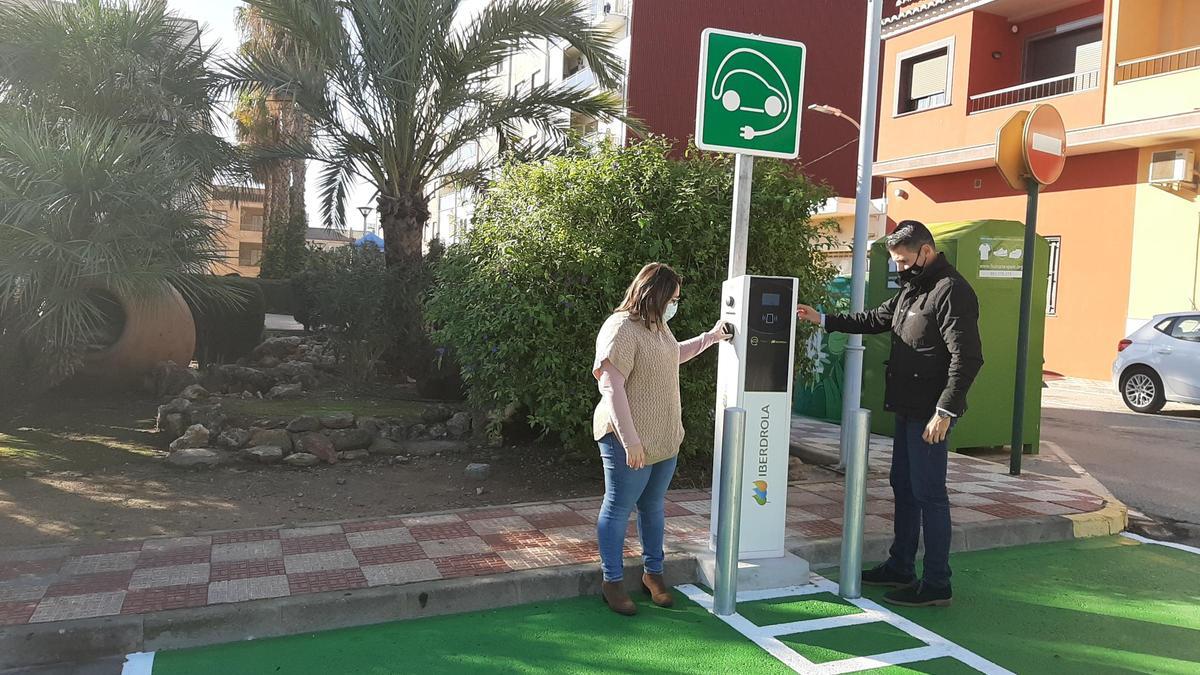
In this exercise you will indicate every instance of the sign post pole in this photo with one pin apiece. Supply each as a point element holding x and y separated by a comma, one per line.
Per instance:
<point>743,178</point>
<point>1031,152</point>
<point>1018,428</point>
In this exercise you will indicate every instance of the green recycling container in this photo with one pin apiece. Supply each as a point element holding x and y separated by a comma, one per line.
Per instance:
<point>988,253</point>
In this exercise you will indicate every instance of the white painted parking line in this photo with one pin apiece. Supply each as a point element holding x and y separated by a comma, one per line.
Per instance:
<point>1168,544</point>
<point>138,663</point>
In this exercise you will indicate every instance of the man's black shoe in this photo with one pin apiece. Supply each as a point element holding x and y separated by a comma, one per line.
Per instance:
<point>920,594</point>
<point>885,576</point>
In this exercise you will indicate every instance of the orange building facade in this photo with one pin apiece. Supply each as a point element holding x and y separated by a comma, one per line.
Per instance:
<point>1124,219</point>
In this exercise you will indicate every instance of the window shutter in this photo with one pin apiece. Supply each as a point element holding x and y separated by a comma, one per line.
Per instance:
<point>929,77</point>
<point>1087,57</point>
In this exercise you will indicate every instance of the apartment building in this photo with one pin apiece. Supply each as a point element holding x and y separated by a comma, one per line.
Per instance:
<point>559,65</point>
<point>1124,219</point>
<point>242,238</point>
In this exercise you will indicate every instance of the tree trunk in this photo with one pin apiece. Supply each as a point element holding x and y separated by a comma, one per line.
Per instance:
<point>285,226</point>
<point>403,220</point>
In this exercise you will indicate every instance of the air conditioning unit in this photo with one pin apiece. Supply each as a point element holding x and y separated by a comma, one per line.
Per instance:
<point>1173,167</point>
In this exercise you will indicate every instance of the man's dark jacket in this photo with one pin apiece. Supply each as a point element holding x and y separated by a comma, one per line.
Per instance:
<point>936,354</point>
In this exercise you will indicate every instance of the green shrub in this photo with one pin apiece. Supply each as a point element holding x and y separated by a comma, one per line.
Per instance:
<point>365,308</point>
<point>229,318</point>
<point>554,246</point>
<point>277,293</point>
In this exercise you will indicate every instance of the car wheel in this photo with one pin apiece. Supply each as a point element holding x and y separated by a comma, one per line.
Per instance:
<point>1142,390</point>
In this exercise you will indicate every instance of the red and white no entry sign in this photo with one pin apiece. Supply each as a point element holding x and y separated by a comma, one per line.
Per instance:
<point>1045,146</point>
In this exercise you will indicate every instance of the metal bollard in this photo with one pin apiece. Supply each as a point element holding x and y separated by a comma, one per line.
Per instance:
<point>858,435</point>
<point>729,513</point>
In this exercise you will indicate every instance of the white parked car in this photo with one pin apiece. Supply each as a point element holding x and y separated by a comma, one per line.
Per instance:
<point>1160,362</point>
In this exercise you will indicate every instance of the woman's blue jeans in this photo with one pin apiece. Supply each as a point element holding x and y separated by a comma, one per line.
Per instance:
<point>624,488</point>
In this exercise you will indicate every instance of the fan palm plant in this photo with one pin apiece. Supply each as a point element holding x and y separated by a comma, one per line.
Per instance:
<point>107,155</point>
<point>264,121</point>
<point>395,88</point>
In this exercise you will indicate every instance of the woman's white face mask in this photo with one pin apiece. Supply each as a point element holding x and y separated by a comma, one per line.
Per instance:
<point>669,312</point>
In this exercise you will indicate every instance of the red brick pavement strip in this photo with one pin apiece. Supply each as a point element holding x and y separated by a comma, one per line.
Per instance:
<point>187,556</point>
<point>329,580</point>
<point>545,521</point>
<point>245,536</point>
<point>511,541</point>
<point>161,599</point>
<point>488,514</point>
<point>396,553</point>
<point>672,509</point>
<point>89,583</point>
<point>447,531</point>
<point>12,570</point>
<point>1080,505</point>
<point>318,544</point>
<point>372,525</point>
<point>16,612</point>
<point>1009,497</point>
<point>1004,510</point>
<point>471,565</point>
<point>245,569</point>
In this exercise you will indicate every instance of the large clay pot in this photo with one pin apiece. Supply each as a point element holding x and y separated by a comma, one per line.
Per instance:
<point>142,332</point>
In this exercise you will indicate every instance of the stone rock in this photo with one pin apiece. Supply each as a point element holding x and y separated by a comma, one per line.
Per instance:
<point>189,457</point>
<point>244,377</point>
<point>194,392</point>
<point>478,471</point>
<point>269,362</point>
<point>436,413</point>
<point>430,448</point>
<point>350,439</point>
<point>342,420</point>
<point>417,430</point>
<point>438,432</point>
<point>286,391</point>
<point>385,446</point>
<point>233,439</point>
<point>263,454</point>
<point>279,347</point>
<point>169,378</point>
<point>304,423</point>
<point>213,417</point>
<point>272,437</point>
<point>196,436</point>
<point>297,372</point>
<point>796,469</point>
<point>301,459</point>
<point>372,425</point>
<point>459,425</point>
<point>313,443</point>
<point>177,405</point>
<point>174,425</point>
<point>351,455</point>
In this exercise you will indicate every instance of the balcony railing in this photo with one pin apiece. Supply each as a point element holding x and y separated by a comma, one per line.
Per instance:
<point>1032,91</point>
<point>583,78</point>
<point>1159,64</point>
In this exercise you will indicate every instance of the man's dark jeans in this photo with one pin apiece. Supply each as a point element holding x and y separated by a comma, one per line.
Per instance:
<point>918,480</point>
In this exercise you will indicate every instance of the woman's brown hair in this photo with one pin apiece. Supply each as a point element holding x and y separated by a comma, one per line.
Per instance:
<point>647,297</point>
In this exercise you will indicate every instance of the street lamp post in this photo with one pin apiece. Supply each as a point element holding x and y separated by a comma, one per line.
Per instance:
<point>365,211</point>
<point>836,112</point>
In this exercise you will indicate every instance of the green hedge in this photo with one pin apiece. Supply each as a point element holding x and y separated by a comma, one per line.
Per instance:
<point>229,318</point>
<point>278,295</point>
<point>553,247</point>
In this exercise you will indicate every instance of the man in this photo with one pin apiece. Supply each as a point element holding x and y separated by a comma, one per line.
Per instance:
<point>935,356</point>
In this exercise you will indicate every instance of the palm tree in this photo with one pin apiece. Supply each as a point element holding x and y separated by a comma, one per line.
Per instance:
<point>265,121</point>
<point>395,90</point>
<point>107,156</point>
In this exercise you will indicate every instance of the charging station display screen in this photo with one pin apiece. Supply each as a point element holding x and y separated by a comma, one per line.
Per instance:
<point>768,339</point>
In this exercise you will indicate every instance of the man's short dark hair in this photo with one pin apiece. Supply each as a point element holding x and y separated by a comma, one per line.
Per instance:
<point>910,235</point>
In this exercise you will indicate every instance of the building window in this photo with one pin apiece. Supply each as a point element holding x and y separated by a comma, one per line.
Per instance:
<point>252,221</point>
<point>924,77</point>
<point>1067,51</point>
<point>250,254</point>
<point>1052,279</point>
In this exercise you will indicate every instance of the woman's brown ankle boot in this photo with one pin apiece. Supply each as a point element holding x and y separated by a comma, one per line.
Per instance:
<point>617,599</point>
<point>659,593</point>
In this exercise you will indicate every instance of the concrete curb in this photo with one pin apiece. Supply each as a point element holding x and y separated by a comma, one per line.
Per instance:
<point>88,639</point>
<point>811,455</point>
<point>1110,520</point>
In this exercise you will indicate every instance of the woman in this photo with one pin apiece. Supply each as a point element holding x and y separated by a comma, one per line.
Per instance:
<point>639,425</point>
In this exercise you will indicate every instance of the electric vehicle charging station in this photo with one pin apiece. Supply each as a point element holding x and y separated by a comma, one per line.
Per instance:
<point>754,372</point>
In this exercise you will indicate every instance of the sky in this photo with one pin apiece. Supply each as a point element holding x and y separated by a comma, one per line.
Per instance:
<point>218,20</point>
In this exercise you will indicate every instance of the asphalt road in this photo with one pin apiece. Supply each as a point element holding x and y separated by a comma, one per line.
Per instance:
<point>1150,462</point>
